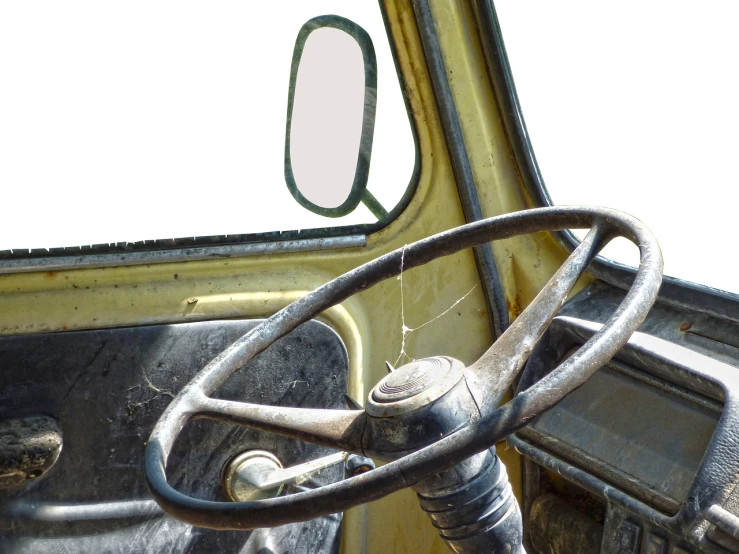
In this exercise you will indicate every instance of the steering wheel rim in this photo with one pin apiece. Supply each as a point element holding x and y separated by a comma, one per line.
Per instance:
<point>494,424</point>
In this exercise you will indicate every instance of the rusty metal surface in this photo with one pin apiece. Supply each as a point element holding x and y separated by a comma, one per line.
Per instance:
<point>511,351</point>
<point>463,175</point>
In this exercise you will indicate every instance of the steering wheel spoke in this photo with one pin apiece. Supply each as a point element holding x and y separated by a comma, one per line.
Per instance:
<point>340,429</point>
<point>489,377</point>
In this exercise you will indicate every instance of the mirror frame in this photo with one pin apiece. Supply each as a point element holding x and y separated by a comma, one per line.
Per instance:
<point>359,192</point>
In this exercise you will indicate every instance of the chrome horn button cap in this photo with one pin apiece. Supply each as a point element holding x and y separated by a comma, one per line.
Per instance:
<point>414,385</point>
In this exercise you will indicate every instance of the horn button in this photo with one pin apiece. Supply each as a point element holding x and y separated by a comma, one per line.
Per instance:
<point>417,404</point>
<point>414,385</point>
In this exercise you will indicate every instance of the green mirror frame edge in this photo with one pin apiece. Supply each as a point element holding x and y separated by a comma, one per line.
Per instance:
<point>359,192</point>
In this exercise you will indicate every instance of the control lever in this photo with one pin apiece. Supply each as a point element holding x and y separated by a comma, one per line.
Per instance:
<point>257,474</point>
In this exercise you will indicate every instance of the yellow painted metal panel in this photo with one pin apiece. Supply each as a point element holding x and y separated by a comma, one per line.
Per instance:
<point>527,262</point>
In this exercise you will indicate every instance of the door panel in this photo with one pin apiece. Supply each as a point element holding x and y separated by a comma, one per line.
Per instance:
<point>107,388</point>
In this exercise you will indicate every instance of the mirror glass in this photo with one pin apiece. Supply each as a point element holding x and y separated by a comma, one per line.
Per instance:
<point>330,121</point>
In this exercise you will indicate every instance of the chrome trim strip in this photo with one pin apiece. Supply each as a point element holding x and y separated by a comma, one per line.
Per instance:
<point>29,265</point>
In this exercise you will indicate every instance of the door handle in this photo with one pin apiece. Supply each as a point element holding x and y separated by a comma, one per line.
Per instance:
<point>29,447</point>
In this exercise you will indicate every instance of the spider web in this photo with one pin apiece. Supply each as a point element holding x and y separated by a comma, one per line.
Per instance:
<point>404,329</point>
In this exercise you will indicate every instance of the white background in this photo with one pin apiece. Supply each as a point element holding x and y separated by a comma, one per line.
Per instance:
<point>635,105</point>
<point>126,121</point>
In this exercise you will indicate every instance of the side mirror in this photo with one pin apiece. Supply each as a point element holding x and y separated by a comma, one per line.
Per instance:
<point>331,117</point>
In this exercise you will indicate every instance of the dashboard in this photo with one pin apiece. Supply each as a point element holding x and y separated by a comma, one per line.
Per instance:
<point>645,452</point>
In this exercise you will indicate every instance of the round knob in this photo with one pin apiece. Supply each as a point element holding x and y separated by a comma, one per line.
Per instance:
<point>411,379</point>
<point>244,476</point>
<point>413,385</point>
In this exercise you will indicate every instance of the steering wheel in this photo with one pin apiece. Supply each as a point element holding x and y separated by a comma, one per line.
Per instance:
<point>419,395</point>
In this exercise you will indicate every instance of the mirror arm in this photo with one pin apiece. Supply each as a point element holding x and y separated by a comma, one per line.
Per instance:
<point>373,205</point>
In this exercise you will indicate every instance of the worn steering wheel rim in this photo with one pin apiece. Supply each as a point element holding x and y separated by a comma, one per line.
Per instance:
<point>512,350</point>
